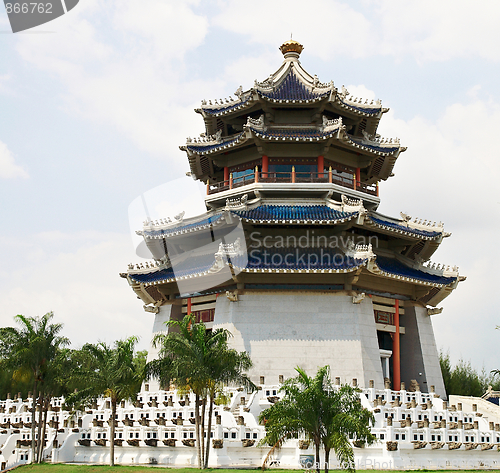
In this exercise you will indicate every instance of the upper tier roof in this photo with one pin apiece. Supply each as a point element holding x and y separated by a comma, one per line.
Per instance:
<point>292,105</point>
<point>291,84</point>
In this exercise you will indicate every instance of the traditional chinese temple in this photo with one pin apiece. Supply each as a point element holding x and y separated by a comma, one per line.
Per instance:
<point>292,256</point>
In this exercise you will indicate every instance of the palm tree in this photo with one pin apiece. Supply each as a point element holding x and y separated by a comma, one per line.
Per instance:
<point>200,361</point>
<point>344,419</point>
<point>325,415</point>
<point>111,372</point>
<point>31,348</point>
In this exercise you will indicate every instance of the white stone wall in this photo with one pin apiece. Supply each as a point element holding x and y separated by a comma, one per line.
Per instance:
<point>450,436</point>
<point>429,352</point>
<point>161,318</point>
<point>283,331</point>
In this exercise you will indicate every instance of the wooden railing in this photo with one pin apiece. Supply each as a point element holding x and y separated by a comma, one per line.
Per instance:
<point>292,177</point>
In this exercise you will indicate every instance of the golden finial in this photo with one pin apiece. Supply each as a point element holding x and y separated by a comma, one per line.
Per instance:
<point>291,46</point>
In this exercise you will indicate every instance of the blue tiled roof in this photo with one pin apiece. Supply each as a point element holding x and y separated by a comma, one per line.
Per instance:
<point>294,212</point>
<point>307,133</point>
<point>216,111</point>
<point>291,88</point>
<point>297,259</point>
<point>396,226</point>
<point>381,149</point>
<point>201,148</point>
<point>370,111</point>
<point>190,266</point>
<point>394,266</point>
<point>183,228</point>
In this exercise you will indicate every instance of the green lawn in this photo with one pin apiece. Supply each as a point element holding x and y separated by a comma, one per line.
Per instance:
<point>64,468</point>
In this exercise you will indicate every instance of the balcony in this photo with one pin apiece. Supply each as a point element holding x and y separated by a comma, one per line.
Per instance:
<point>327,177</point>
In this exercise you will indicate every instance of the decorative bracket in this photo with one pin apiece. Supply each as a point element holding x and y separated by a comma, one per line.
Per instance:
<point>239,203</point>
<point>434,310</point>
<point>358,298</point>
<point>232,296</point>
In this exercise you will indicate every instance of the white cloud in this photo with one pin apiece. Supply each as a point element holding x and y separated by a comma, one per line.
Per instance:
<point>245,69</point>
<point>170,28</point>
<point>131,78</point>
<point>5,84</point>
<point>426,30</point>
<point>76,275</point>
<point>438,31</point>
<point>272,22</point>
<point>8,168</point>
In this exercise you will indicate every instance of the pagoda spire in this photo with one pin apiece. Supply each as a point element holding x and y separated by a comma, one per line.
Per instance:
<point>291,49</point>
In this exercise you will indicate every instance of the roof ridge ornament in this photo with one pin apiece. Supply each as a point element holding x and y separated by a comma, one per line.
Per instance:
<point>164,222</point>
<point>255,123</point>
<point>149,266</point>
<point>239,92</point>
<point>436,268</point>
<point>203,139</point>
<point>420,224</point>
<point>330,125</point>
<point>378,139</point>
<point>344,93</point>
<point>359,251</point>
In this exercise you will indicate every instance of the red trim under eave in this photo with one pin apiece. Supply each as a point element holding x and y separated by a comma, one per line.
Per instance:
<point>396,354</point>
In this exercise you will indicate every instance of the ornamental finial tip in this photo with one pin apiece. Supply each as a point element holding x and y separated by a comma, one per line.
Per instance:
<point>291,46</point>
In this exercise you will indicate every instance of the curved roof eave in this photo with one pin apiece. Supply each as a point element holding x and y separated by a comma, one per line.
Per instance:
<point>395,269</point>
<point>401,227</point>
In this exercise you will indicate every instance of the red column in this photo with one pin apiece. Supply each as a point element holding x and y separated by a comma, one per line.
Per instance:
<point>358,177</point>
<point>226,175</point>
<point>396,358</point>
<point>265,165</point>
<point>189,305</point>
<point>321,165</point>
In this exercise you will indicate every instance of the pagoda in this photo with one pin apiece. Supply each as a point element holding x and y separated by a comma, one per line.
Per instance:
<point>291,255</point>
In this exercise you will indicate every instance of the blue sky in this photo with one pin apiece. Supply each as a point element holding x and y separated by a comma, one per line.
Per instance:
<point>95,104</point>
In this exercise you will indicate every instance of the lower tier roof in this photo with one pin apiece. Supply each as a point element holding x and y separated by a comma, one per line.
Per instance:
<point>288,260</point>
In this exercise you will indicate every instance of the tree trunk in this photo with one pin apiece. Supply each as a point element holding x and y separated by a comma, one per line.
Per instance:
<point>40,420</point>
<point>197,424</point>
<point>202,429</point>
<point>33,413</point>
<point>318,466</point>
<point>209,429</point>
<point>327,459</point>
<point>271,451</point>
<point>112,434</point>
<point>45,410</point>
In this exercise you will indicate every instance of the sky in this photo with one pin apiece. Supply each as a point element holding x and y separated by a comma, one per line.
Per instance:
<point>95,104</point>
